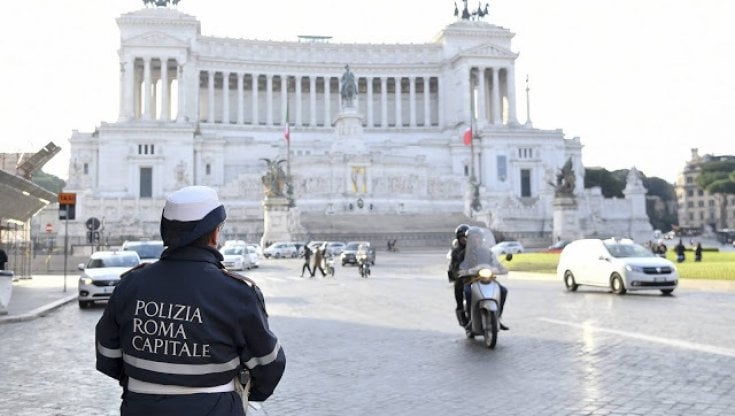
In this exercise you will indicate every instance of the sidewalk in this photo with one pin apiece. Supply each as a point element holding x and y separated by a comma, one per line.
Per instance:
<point>37,296</point>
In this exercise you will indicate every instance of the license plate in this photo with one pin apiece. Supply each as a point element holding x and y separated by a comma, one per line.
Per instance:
<point>109,289</point>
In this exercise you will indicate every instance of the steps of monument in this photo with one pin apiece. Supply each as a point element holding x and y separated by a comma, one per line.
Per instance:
<point>410,230</point>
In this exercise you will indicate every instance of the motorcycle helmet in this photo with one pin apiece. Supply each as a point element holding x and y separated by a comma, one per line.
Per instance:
<point>461,230</point>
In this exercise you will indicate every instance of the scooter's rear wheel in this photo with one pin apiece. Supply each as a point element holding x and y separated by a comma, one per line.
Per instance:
<point>489,328</point>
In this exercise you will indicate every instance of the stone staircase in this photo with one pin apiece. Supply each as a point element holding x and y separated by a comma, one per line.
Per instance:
<point>410,230</point>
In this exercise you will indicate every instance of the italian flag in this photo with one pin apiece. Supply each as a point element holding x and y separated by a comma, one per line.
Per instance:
<point>467,136</point>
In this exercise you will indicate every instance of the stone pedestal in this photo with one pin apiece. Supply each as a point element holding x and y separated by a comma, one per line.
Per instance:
<point>279,222</point>
<point>566,219</point>
<point>348,129</point>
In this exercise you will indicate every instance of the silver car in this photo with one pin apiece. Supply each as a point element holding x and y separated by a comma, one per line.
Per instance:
<point>101,274</point>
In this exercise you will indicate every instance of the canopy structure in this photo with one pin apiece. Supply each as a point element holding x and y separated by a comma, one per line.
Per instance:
<point>20,198</point>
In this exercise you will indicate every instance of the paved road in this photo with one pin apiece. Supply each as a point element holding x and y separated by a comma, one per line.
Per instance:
<point>390,345</point>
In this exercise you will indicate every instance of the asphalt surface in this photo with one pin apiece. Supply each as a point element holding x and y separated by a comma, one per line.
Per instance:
<point>390,345</point>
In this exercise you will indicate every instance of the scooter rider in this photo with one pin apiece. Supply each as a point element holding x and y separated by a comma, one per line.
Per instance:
<point>457,256</point>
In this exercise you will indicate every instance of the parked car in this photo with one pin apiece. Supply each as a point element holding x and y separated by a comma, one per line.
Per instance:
<point>236,257</point>
<point>507,247</point>
<point>254,256</point>
<point>556,247</point>
<point>334,248</point>
<point>280,249</point>
<point>148,251</point>
<point>619,264</point>
<point>349,253</point>
<point>101,274</point>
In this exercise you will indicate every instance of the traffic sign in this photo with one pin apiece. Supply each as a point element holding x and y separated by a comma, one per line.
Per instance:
<point>93,224</point>
<point>67,198</point>
<point>49,228</point>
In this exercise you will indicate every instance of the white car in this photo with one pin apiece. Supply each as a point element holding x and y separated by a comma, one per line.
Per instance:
<point>280,249</point>
<point>619,264</point>
<point>101,274</point>
<point>148,251</point>
<point>236,257</point>
<point>507,247</point>
<point>334,248</point>
<point>254,256</point>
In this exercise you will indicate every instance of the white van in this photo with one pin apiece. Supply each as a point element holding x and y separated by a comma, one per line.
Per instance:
<point>619,264</point>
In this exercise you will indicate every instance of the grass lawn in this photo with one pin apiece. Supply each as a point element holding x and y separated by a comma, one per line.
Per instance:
<point>714,265</point>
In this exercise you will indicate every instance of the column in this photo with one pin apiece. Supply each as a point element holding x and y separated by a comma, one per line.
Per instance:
<point>497,114</point>
<point>255,99</point>
<point>481,98</point>
<point>510,79</point>
<point>181,84</point>
<point>240,98</point>
<point>312,100</point>
<point>297,85</point>
<point>210,97</point>
<point>384,102</point>
<point>369,81</point>
<point>327,102</point>
<point>147,88</point>
<point>284,99</point>
<point>269,99</point>
<point>440,101</point>
<point>165,92</point>
<point>412,101</point>
<point>399,110</point>
<point>225,97</point>
<point>427,102</point>
<point>127,87</point>
<point>466,95</point>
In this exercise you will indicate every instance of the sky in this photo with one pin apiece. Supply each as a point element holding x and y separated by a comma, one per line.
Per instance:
<point>640,82</point>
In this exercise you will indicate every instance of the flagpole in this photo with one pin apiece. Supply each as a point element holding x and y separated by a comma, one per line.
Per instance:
<point>475,204</point>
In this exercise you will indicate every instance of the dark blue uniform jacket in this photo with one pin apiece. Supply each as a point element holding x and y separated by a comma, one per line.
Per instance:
<point>184,321</point>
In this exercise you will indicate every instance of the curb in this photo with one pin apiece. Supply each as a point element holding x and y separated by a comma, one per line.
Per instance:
<point>38,312</point>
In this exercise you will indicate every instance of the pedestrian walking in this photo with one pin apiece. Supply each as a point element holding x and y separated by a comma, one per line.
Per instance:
<point>680,257</point>
<point>698,252</point>
<point>307,260</point>
<point>181,334</point>
<point>318,260</point>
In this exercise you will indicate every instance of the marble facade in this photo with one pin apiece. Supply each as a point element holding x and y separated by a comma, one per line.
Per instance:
<point>202,110</point>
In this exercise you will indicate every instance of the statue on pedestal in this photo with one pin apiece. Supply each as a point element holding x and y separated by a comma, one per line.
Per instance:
<point>161,3</point>
<point>565,180</point>
<point>348,91</point>
<point>274,181</point>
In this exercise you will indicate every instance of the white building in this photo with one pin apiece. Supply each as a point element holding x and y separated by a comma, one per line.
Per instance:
<point>202,110</point>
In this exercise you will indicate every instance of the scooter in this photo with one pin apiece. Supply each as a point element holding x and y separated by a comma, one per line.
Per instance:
<point>329,262</point>
<point>363,264</point>
<point>480,268</point>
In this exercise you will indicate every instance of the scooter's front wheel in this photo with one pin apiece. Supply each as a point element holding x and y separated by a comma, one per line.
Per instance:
<point>489,328</point>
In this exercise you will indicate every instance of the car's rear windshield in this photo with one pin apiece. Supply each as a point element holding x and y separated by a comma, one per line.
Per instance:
<point>113,261</point>
<point>627,250</point>
<point>146,251</point>
<point>233,250</point>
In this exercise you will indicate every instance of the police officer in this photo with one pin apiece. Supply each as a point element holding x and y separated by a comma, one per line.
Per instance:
<point>179,333</point>
<point>456,258</point>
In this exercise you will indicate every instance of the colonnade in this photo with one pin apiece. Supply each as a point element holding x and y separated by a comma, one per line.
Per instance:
<point>141,80</point>
<point>233,97</point>
<point>494,95</point>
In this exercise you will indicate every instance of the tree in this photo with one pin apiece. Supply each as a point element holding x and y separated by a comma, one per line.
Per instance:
<point>609,183</point>
<point>613,183</point>
<point>47,181</point>
<point>718,179</point>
